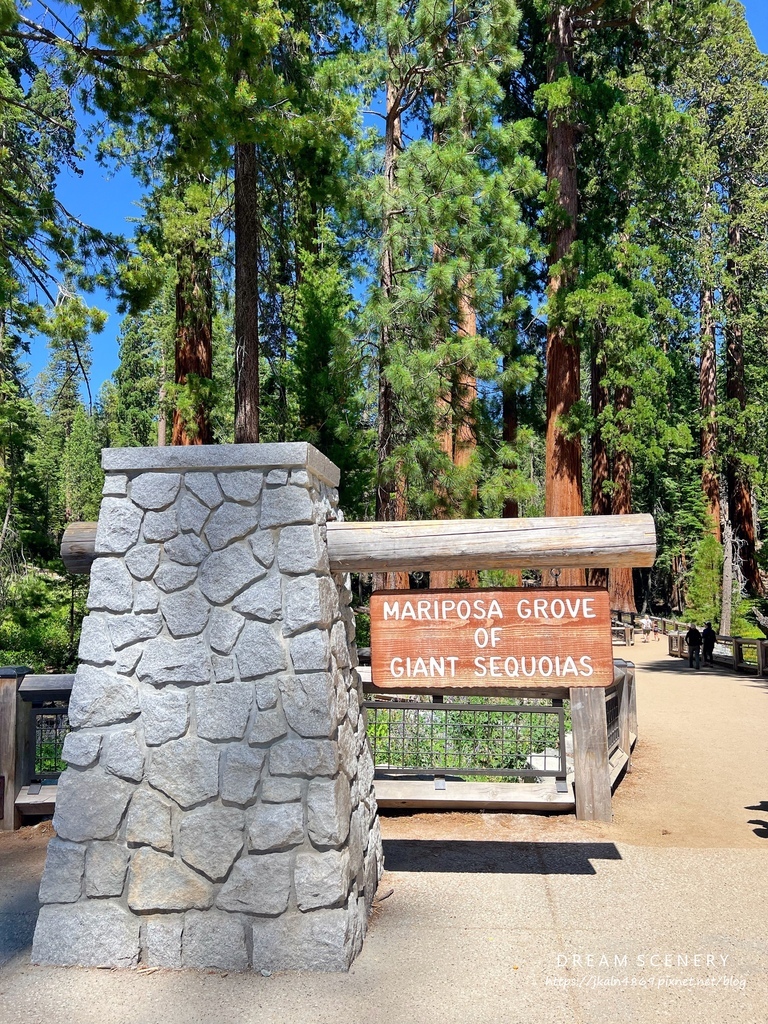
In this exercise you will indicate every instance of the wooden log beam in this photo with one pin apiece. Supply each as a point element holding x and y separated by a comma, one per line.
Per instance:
<point>78,547</point>
<point>566,542</point>
<point>447,544</point>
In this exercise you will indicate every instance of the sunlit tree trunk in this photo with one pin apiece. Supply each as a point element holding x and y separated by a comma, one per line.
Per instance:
<point>391,500</point>
<point>563,484</point>
<point>246,294</point>
<point>620,583</point>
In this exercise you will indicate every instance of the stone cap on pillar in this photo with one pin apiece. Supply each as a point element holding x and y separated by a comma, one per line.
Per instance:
<point>289,455</point>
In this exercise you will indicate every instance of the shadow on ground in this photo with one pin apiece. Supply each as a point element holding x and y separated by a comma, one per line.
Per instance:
<point>496,857</point>
<point>762,829</point>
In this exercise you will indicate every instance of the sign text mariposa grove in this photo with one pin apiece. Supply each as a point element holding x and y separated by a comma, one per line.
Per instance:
<point>514,638</point>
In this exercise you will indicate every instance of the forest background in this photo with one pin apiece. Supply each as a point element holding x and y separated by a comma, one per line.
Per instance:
<point>493,258</point>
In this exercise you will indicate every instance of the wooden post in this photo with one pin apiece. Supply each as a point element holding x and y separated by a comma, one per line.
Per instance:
<point>592,781</point>
<point>8,752</point>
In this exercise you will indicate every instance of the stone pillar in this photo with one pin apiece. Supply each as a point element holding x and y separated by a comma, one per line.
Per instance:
<point>218,807</point>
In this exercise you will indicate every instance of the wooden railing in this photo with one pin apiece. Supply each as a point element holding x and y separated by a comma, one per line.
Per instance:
<point>33,723</point>
<point>737,645</point>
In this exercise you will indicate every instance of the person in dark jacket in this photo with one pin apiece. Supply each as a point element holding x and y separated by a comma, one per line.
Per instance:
<point>693,639</point>
<point>708,637</point>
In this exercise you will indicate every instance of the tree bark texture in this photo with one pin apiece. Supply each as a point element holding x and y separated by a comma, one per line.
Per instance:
<point>246,294</point>
<point>458,439</point>
<point>194,329</point>
<point>708,409</point>
<point>737,479</point>
<point>601,499</point>
<point>391,499</point>
<point>563,454</point>
<point>620,583</point>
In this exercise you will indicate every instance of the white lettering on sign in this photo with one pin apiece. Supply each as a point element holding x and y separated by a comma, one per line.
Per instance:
<point>517,668</point>
<point>556,608</point>
<point>434,610</point>
<point>428,668</point>
<point>510,638</point>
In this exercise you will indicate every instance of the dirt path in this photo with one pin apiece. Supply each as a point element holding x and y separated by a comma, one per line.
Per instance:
<point>698,774</point>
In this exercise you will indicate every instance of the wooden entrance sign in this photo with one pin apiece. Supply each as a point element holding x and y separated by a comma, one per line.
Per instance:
<point>506,639</point>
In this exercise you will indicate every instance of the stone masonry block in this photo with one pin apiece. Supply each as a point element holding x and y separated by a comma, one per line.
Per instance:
<point>175,661</point>
<point>223,711</point>
<point>125,755</point>
<point>186,612</point>
<point>259,884</point>
<point>280,790</point>
<point>329,809</point>
<point>309,601</point>
<point>192,513</point>
<point>226,573</point>
<point>95,643</point>
<point>161,526</point>
<point>159,882</point>
<point>267,693</point>
<point>204,488</point>
<point>309,703</point>
<point>91,934</point>
<point>223,630</point>
<point>310,651</point>
<point>101,698</point>
<point>210,838</point>
<point>259,651</point>
<point>155,490</point>
<point>81,748</point>
<point>149,821</point>
<point>90,804</point>
<point>111,586</point>
<point>323,940</point>
<point>143,560</point>
<point>119,526</point>
<point>321,879</point>
<point>304,757</point>
<point>63,875</point>
<point>146,598</point>
<point>340,645</point>
<point>277,477</point>
<point>170,577</point>
<point>241,772</point>
<point>223,668</point>
<point>242,485</point>
<point>115,485</point>
<point>263,600</point>
<point>163,941</point>
<point>268,726</point>
<point>230,522</point>
<point>214,941</point>
<point>130,629</point>
<point>284,506</point>
<point>164,715</point>
<point>263,547</point>
<point>301,549</point>
<point>106,865</point>
<point>187,549</point>
<point>275,826</point>
<point>186,770</point>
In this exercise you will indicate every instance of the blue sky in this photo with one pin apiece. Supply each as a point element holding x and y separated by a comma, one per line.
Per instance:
<point>109,203</point>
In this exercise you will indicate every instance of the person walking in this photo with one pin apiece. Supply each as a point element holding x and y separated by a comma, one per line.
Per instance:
<point>647,627</point>
<point>693,639</point>
<point>708,637</point>
<point>655,629</point>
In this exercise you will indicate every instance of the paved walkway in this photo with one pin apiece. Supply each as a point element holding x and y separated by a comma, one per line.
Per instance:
<point>499,918</point>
